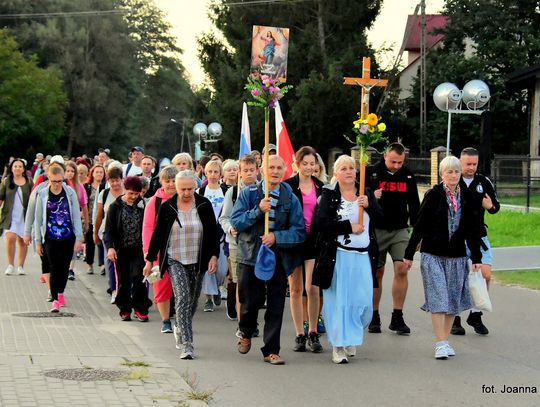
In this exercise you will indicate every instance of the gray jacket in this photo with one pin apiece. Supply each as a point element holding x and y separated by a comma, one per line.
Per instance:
<point>40,223</point>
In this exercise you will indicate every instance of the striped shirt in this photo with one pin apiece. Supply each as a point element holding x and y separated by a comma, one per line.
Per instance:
<point>186,237</point>
<point>274,197</point>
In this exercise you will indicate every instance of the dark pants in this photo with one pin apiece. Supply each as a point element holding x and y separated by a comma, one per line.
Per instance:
<point>251,292</point>
<point>57,254</point>
<point>132,293</point>
<point>91,248</point>
<point>45,267</point>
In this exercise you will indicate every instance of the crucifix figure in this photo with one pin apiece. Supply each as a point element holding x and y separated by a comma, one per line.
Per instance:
<point>366,82</point>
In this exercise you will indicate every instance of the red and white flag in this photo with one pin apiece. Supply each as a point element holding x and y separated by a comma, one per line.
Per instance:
<point>284,146</point>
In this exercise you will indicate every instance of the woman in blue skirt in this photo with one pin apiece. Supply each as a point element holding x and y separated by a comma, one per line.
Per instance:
<point>345,252</point>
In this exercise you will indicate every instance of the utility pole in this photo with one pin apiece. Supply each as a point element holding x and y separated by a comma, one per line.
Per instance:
<point>423,115</point>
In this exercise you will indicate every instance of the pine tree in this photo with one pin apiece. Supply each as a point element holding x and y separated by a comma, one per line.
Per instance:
<point>327,42</point>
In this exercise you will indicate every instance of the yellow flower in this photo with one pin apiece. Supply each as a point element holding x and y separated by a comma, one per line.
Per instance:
<point>372,119</point>
<point>357,123</point>
<point>381,127</point>
<point>371,129</point>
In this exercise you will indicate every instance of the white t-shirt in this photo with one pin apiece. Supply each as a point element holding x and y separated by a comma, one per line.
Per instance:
<point>350,211</point>
<point>133,170</point>
<point>110,199</point>
<point>468,181</point>
<point>216,198</point>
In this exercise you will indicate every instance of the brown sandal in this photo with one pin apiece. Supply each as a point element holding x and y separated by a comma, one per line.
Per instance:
<point>274,359</point>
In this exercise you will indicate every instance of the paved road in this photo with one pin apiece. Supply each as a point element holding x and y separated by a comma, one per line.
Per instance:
<point>388,369</point>
<point>516,258</point>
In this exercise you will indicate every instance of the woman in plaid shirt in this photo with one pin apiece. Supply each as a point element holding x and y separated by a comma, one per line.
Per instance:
<point>187,239</point>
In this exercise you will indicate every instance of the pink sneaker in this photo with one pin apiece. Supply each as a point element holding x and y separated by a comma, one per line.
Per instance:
<point>55,306</point>
<point>62,300</point>
<point>42,279</point>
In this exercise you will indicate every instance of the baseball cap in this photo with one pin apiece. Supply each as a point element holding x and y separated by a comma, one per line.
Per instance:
<point>138,148</point>
<point>266,263</point>
<point>57,159</point>
<point>270,148</point>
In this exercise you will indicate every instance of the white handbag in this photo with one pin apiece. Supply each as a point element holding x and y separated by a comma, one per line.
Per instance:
<point>479,292</point>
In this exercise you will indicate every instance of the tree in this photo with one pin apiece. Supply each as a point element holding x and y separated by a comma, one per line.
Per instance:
<point>507,43</point>
<point>32,102</point>
<point>111,64</point>
<point>327,42</point>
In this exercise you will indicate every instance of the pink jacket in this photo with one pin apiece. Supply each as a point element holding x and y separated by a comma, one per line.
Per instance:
<point>150,217</point>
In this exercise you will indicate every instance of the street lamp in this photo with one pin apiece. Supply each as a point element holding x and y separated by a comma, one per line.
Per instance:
<point>448,98</point>
<point>208,134</point>
<point>182,122</point>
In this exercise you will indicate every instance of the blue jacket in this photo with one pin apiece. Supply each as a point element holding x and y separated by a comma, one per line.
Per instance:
<point>289,230</point>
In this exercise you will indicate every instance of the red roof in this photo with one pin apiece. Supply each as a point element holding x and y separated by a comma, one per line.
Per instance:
<point>433,21</point>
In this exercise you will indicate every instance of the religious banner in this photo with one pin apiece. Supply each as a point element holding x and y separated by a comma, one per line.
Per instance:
<point>269,49</point>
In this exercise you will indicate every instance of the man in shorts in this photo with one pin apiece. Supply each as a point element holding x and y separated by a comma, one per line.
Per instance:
<point>485,199</point>
<point>397,193</point>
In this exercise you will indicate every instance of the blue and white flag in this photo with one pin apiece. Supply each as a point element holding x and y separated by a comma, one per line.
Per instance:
<point>245,135</point>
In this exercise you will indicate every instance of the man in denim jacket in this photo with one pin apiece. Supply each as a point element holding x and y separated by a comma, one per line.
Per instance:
<point>287,230</point>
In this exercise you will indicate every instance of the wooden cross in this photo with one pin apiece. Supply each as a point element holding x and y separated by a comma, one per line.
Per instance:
<point>367,83</point>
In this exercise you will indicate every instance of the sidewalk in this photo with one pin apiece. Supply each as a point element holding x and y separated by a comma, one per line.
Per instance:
<point>516,258</point>
<point>38,353</point>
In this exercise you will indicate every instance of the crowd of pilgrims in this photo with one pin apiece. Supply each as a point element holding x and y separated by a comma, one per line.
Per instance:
<point>167,232</point>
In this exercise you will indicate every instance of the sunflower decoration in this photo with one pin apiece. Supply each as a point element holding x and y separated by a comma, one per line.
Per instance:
<point>368,131</point>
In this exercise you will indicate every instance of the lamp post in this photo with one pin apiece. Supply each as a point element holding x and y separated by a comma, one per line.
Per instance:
<point>182,122</point>
<point>470,100</point>
<point>206,134</point>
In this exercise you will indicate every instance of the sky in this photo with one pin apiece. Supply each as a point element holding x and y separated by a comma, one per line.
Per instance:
<point>189,20</point>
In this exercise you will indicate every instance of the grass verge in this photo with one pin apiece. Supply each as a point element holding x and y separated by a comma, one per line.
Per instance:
<point>523,278</point>
<point>520,200</point>
<point>508,228</point>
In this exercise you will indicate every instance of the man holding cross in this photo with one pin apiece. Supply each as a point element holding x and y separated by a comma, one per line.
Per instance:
<point>286,231</point>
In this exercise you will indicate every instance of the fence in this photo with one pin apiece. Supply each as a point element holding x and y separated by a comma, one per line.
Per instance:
<point>517,178</point>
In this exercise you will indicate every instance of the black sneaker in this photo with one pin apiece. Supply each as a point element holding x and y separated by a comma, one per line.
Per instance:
<point>475,320</point>
<point>217,299</point>
<point>300,343</point>
<point>375,324</point>
<point>71,275</point>
<point>231,310</point>
<point>457,329</point>
<point>313,343</point>
<point>398,325</point>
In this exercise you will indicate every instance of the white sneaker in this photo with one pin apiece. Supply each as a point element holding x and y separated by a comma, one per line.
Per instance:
<point>338,355</point>
<point>223,292</point>
<point>350,351</point>
<point>113,297</point>
<point>9,270</point>
<point>449,350</point>
<point>177,337</point>
<point>20,271</point>
<point>441,352</point>
<point>187,352</point>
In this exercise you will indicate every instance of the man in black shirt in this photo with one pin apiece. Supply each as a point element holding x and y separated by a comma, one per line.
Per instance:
<point>485,199</point>
<point>397,194</point>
